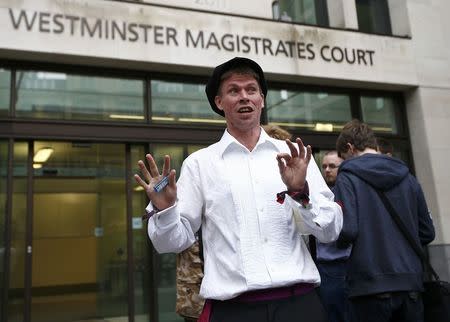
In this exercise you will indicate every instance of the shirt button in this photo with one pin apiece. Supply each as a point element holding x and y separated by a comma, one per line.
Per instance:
<point>266,240</point>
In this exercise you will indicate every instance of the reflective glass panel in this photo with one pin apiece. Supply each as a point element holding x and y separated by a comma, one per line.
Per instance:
<point>16,294</point>
<point>393,148</point>
<point>379,113</point>
<point>308,110</point>
<point>5,90</point>
<point>191,148</point>
<point>141,243</point>
<point>79,269</point>
<point>401,153</point>
<point>3,214</point>
<point>166,263</point>
<point>181,103</point>
<point>373,16</point>
<point>305,11</point>
<point>63,96</point>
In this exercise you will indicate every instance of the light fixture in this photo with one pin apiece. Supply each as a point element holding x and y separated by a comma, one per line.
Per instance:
<point>138,188</point>
<point>288,124</point>
<point>162,118</point>
<point>42,155</point>
<point>198,120</point>
<point>325,127</point>
<point>51,76</point>
<point>124,116</point>
<point>37,165</point>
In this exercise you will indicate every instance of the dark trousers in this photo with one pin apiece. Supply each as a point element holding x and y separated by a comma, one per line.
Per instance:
<point>298,308</point>
<point>333,290</point>
<point>190,320</point>
<point>387,307</point>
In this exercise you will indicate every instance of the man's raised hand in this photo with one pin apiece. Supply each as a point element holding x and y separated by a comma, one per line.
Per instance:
<point>151,176</point>
<point>293,166</point>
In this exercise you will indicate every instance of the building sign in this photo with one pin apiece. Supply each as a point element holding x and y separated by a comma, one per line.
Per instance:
<point>153,35</point>
<point>136,32</point>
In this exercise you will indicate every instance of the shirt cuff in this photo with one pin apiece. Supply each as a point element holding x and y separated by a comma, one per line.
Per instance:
<point>301,196</point>
<point>163,219</point>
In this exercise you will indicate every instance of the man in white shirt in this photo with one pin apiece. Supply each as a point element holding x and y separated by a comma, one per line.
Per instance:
<point>254,197</point>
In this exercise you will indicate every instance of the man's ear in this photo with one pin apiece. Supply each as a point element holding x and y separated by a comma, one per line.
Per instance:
<point>350,148</point>
<point>263,100</point>
<point>218,101</point>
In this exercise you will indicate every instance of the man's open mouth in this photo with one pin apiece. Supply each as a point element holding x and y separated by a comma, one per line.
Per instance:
<point>245,109</point>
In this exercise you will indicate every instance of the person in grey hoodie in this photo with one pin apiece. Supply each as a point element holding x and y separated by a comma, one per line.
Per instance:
<point>384,274</point>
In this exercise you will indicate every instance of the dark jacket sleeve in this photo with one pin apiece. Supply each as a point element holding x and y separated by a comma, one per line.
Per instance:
<point>426,227</point>
<point>345,196</point>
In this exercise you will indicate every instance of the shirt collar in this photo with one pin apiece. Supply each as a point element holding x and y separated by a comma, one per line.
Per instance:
<point>228,141</point>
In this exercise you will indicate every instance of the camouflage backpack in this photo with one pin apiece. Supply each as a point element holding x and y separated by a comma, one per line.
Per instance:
<point>189,277</point>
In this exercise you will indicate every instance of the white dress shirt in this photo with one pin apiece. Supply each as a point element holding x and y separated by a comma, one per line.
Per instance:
<point>250,240</point>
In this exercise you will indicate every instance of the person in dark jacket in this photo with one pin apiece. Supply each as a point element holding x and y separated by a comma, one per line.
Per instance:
<point>384,274</point>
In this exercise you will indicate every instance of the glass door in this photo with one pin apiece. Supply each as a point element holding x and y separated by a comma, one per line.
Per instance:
<point>79,267</point>
<point>143,283</point>
<point>18,256</point>
<point>74,255</point>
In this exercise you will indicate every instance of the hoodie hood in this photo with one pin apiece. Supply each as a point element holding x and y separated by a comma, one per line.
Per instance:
<point>379,170</point>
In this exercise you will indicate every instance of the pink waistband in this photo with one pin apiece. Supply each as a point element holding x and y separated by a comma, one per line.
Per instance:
<point>274,293</point>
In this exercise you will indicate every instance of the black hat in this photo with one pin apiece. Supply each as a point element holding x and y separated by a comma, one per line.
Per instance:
<point>212,87</point>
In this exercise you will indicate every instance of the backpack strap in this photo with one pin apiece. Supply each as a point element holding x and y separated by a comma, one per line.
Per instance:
<point>200,244</point>
<point>406,233</point>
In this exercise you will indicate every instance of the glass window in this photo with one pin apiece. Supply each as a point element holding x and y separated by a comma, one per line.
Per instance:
<point>166,271</point>
<point>379,113</point>
<point>373,16</point>
<point>312,12</point>
<point>308,110</point>
<point>5,85</point>
<point>191,148</point>
<point>393,147</point>
<point>402,153</point>
<point>80,254</point>
<point>141,244</point>
<point>3,194</point>
<point>181,103</point>
<point>166,263</point>
<point>72,97</point>
<point>16,294</point>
